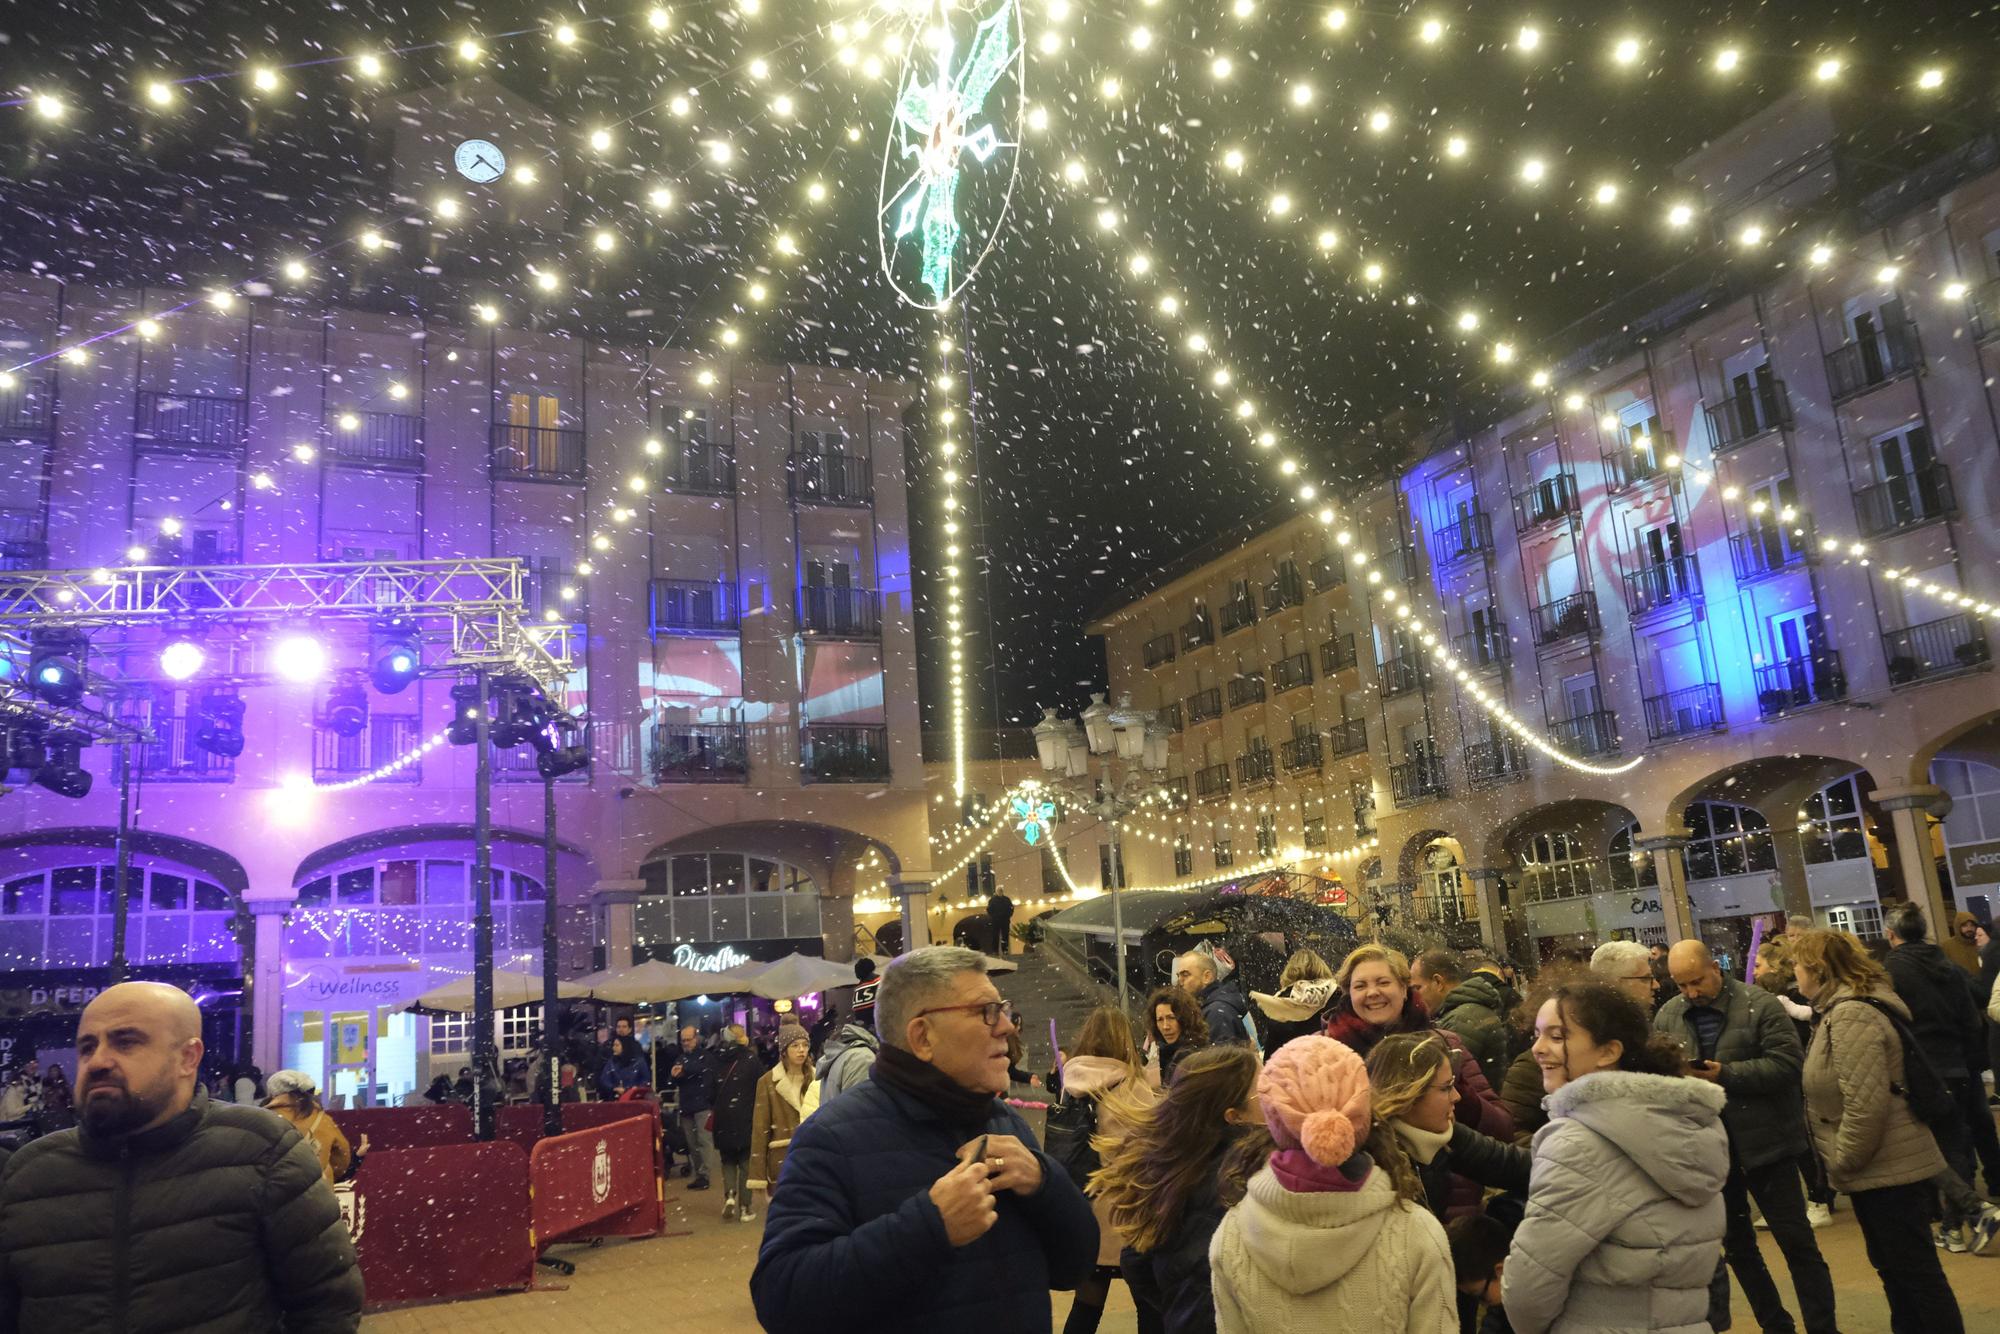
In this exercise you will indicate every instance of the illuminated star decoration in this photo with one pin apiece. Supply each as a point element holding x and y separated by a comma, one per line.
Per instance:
<point>1034,815</point>
<point>936,116</point>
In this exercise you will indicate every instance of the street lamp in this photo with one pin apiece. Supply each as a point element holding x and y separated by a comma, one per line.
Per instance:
<point>1136,737</point>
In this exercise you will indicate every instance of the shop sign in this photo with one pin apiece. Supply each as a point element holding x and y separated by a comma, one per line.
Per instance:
<point>322,987</point>
<point>1975,863</point>
<point>719,960</point>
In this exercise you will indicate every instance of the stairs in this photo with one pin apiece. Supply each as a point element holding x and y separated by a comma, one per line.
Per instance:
<point>1047,987</point>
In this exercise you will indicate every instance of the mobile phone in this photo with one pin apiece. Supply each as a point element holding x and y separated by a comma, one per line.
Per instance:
<point>980,1156</point>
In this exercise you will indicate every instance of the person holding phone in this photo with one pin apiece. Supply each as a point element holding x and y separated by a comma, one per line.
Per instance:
<point>917,1200</point>
<point>1742,1040</point>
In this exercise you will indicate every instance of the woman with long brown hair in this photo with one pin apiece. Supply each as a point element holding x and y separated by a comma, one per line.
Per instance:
<point>1415,1095</point>
<point>1874,1146</point>
<point>1175,1027</point>
<point>1162,1189</point>
<point>1103,1061</point>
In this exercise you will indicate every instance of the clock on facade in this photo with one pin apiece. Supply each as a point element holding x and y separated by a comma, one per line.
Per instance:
<point>479,160</point>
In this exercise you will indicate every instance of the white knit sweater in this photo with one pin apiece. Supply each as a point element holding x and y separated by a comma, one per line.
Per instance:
<point>1354,1262</point>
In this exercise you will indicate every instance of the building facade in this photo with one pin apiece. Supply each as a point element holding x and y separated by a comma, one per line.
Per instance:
<point>728,540</point>
<point>1655,561</point>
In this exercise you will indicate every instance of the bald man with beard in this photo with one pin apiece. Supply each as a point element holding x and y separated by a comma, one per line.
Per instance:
<point>162,1210</point>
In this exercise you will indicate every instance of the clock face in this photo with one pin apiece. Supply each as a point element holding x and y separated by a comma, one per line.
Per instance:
<point>479,160</point>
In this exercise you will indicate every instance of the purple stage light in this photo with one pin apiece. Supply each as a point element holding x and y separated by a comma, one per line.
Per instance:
<point>299,658</point>
<point>182,659</point>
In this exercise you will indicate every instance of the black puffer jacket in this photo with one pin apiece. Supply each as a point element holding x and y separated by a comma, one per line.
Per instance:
<point>1224,1007</point>
<point>219,1221</point>
<point>736,1097</point>
<point>1943,1018</point>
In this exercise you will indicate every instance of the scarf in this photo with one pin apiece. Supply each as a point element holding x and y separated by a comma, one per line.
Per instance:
<point>1298,1172</point>
<point>953,1103</point>
<point>1423,1145</point>
<point>1350,1028</point>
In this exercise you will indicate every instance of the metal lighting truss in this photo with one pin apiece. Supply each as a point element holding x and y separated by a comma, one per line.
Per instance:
<point>20,705</point>
<point>480,598</point>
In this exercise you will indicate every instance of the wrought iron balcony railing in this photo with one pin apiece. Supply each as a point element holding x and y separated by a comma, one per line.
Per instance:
<point>694,607</point>
<point>700,753</point>
<point>1565,618</point>
<point>1748,413</point>
<point>537,453</point>
<point>1907,500</point>
<point>1799,682</point>
<point>845,753</point>
<point>1867,363</point>
<point>1684,712</point>
<point>1944,647</point>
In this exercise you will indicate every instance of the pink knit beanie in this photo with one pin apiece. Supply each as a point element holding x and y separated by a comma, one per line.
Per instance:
<point>1316,1097</point>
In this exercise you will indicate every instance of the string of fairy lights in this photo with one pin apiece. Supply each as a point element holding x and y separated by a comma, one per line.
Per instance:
<point>944,400</point>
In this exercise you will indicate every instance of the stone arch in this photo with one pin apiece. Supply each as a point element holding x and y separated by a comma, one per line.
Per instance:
<point>1975,738</point>
<point>840,860</point>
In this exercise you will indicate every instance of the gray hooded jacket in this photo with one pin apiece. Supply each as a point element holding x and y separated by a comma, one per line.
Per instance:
<point>846,1060</point>
<point>1625,1217</point>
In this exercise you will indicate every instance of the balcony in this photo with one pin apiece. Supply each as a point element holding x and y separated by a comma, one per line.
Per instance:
<point>1211,783</point>
<point>1636,463</point>
<point>1907,500</point>
<point>1565,618</point>
<point>1547,501</point>
<point>1771,548</point>
<point>1256,768</point>
<point>1471,536</point>
<point>1495,761</point>
<point>537,454</point>
<point>1328,572</point>
<point>1314,830</point>
<point>1204,706</point>
<point>1419,778</point>
<point>165,423</point>
<point>27,408</point>
<point>1337,655</point>
<point>1159,651</point>
<point>1487,646</point>
<point>387,737</point>
<point>1868,363</point>
<point>1293,672</point>
<point>1238,615</point>
<point>1684,712</point>
<point>1287,590</point>
<point>694,607</point>
<point>1224,854</point>
<point>1246,690</point>
<point>1752,411</point>
<point>1657,587</point>
<point>1944,647</point>
<point>831,479</point>
<point>699,469</point>
<point>1300,754</point>
<point>1985,302</point>
<point>392,440</point>
<point>1593,733</point>
<point>23,540</point>
<point>845,754</point>
<point>1170,714</point>
<point>1800,682</point>
<point>1398,561</point>
<point>700,753</point>
<point>1197,633</point>
<point>1402,674</point>
<point>1348,737</point>
<point>840,613</point>
<point>174,757</point>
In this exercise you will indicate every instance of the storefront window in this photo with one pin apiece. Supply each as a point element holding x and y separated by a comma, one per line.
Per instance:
<point>1631,870</point>
<point>1558,865</point>
<point>1725,839</point>
<point>699,897</point>
<point>1831,827</point>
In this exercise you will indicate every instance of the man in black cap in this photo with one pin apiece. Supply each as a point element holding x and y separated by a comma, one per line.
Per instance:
<point>847,1058</point>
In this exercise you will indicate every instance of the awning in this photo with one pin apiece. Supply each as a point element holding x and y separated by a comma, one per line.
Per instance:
<point>1143,910</point>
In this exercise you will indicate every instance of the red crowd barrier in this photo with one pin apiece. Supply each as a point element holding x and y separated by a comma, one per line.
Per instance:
<point>522,1122</point>
<point>449,1220</point>
<point>603,1181</point>
<point>406,1127</point>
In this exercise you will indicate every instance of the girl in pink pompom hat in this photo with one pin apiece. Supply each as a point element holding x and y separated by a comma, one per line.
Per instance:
<point>1333,1235</point>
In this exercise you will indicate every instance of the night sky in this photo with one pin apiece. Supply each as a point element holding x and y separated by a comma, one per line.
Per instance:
<point>1098,457</point>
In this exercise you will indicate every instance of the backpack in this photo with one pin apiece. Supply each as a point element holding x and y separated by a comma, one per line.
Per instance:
<point>1066,1137</point>
<point>1923,1089</point>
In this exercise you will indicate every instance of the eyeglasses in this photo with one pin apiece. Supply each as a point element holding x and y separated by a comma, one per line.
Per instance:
<point>1450,1084</point>
<point>989,1012</point>
<point>1637,977</point>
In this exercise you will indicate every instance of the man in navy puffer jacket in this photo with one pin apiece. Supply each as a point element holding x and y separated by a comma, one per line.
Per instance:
<point>917,1201</point>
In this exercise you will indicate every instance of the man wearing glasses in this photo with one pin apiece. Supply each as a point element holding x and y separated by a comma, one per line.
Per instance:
<point>918,1200</point>
<point>1627,965</point>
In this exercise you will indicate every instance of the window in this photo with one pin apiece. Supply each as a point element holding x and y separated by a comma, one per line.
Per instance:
<point>1104,865</point>
<point>1631,868</point>
<point>60,917</point>
<point>1831,827</point>
<point>1558,865</point>
<point>693,898</point>
<point>1183,858</point>
<point>1859,919</point>
<point>1267,835</point>
<point>1726,839</point>
<point>1912,487</point>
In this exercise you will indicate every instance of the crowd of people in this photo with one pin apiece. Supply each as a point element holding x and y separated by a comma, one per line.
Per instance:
<point>1409,1142</point>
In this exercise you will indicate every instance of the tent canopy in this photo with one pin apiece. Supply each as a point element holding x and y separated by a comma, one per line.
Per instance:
<point>656,980</point>
<point>511,987</point>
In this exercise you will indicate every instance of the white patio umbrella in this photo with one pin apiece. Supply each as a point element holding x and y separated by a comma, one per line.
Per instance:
<point>656,980</point>
<point>511,987</point>
<point>797,975</point>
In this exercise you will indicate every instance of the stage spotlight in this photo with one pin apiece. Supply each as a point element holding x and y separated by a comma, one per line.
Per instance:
<point>181,659</point>
<point>299,658</point>
<point>25,750</point>
<point>394,659</point>
<point>55,668</point>
<point>561,749</point>
<point>219,725</point>
<point>346,711</point>
<point>62,772</point>
<point>464,729</point>
<point>520,712</point>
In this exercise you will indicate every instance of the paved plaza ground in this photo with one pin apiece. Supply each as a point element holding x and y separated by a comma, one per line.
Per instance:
<point>700,1282</point>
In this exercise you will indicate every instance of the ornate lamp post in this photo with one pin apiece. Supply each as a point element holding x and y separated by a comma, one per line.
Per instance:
<point>1133,739</point>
